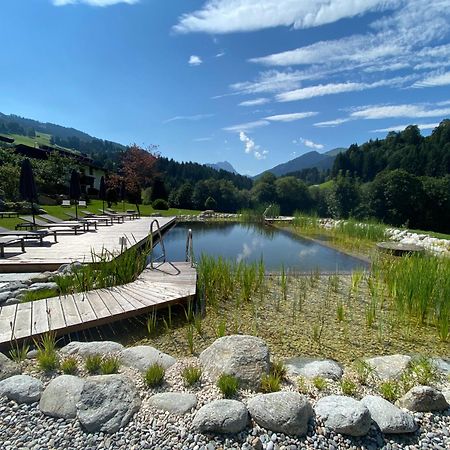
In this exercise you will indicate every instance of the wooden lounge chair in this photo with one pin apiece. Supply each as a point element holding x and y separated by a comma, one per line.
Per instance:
<point>118,219</point>
<point>97,219</point>
<point>4,214</point>
<point>28,223</point>
<point>65,203</point>
<point>4,241</point>
<point>36,234</point>
<point>56,220</point>
<point>111,213</point>
<point>82,203</point>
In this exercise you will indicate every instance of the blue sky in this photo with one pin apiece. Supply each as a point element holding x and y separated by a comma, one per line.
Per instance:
<point>254,82</point>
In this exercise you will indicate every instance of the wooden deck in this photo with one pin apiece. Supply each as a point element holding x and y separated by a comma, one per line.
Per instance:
<point>80,247</point>
<point>169,284</point>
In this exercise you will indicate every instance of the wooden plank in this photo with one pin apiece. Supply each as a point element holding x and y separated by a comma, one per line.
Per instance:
<point>110,302</point>
<point>122,301</point>
<point>7,318</point>
<point>87,314</point>
<point>135,302</point>
<point>70,310</point>
<point>98,305</point>
<point>56,320</point>
<point>22,324</point>
<point>40,317</point>
<point>147,299</point>
<point>148,295</point>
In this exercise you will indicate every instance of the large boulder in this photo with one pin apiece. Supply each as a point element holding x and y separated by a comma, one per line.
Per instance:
<point>446,394</point>
<point>107,403</point>
<point>174,402</point>
<point>284,412</point>
<point>221,416</point>
<point>312,367</point>
<point>85,349</point>
<point>344,415</point>
<point>142,357</point>
<point>389,367</point>
<point>389,418</point>
<point>8,368</point>
<point>61,396</point>
<point>21,388</point>
<point>423,399</point>
<point>442,364</point>
<point>245,357</point>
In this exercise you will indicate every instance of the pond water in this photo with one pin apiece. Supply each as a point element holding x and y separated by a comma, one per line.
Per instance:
<point>251,242</point>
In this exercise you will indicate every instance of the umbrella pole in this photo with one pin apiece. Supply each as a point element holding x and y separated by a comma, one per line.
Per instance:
<point>76,209</point>
<point>103,206</point>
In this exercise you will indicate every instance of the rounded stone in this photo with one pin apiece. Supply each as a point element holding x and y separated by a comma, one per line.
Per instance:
<point>21,388</point>
<point>174,402</point>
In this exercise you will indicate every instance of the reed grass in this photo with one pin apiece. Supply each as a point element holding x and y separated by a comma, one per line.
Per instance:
<point>228,385</point>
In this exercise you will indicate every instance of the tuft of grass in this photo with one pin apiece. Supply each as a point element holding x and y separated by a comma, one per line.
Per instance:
<point>152,325</point>
<point>191,375</point>
<point>109,365</point>
<point>154,375</point>
<point>190,338</point>
<point>221,329</point>
<point>340,311</point>
<point>47,357</point>
<point>19,354</point>
<point>348,387</point>
<point>424,371</point>
<point>228,385</point>
<point>390,390</point>
<point>69,365</point>
<point>302,385</point>
<point>31,296</point>
<point>320,383</point>
<point>93,364</point>
<point>363,371</point>
<point>198,322</point>
<point>270,383</point>
<point>278,369</point>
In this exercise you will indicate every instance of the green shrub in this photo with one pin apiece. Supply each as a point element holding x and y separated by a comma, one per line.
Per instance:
<point>93,363</point>
<point>320,383</point>
<point>154,375</point>
<point>270,383</point>
<point>160,204</point>
<point>191,374</point>
<point>348,386</point>
<point>228,385</point>
<point>69,365</point>
<point>109,365</point>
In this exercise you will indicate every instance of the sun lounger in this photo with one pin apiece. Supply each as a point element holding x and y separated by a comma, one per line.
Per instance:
<point>4,214</point>
<point>82,203</point>
<point>56,220</point>
<point>4,241</point>
<point>96,219</point>
<point>111,213</point>
<point>118,219</point>
<point>28,223</point>
<point>37,234</point>
<point>66,203</point>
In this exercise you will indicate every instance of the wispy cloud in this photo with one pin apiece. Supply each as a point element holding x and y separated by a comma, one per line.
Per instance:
<point>220,54</point>
<point>255,102</point>
<point>228,16</point>
<point>331,123</point>
<point>202,139</point>
<point>308,143</point>
<point>93,2</point>
<point>422,126</point>
<point>247,126</point>
<point>291,117</point>
<point>194,60</point>
<point>393,111</point>
<point>251,147</point>
<point>193,118</point>
<point>442,79</point>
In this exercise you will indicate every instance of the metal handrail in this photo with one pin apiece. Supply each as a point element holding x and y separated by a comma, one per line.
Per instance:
<point>162,257</point>
<point>190,249</point>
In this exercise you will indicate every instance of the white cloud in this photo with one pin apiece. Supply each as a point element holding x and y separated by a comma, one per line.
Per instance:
<point>251,148</point>
<point>290,117</point>
<point>93,2</point>
<point>308,143</point>
<point>228,16</point>
<point>392,111</point>
<point>331,123</point>
<point>434,80</point>
<point>220,54</point>
<point>194,60</point>
<point>203,139</point>
<point>255,102</point>
<point>422,126</point>
<point>190,118</point>
<point>247,126</point>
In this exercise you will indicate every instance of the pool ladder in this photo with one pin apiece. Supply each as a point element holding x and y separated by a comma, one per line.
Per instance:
<point>190,249</point>
<point>161,259</point>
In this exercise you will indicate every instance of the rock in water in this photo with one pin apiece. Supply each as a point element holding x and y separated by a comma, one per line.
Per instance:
<point>142,357</point>
<point>344,415</point>
<point>8,368</point>
<point>85,349</point>
<point>174,402</point>
<point>311,367</point>
<point>61,396</point>
<point>245,357</point>
<point>389,418</point>
<point>107,403</point>
<point>423,399</point>
<point>21,388</point>
<point>389,367</point>
<point>221,416</point>
<point>284,412</point>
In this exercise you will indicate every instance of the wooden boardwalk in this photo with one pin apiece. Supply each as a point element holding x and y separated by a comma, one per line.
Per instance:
<point>169,284</point>
<point>80,247</point>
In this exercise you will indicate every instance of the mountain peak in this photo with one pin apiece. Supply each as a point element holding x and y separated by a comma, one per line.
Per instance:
<point>222,165</point>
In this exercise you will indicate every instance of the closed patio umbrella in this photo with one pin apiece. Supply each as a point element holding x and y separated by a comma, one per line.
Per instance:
<point>102,192</point>
<point>123,193</point>
<point>75,189</point>
<point>27,185</point>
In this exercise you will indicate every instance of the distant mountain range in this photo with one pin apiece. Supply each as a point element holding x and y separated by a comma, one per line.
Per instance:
<point>311,159</point>
<point>223,165</point>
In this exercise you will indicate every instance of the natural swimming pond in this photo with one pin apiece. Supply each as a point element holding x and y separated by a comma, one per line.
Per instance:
<point>251,242</point>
